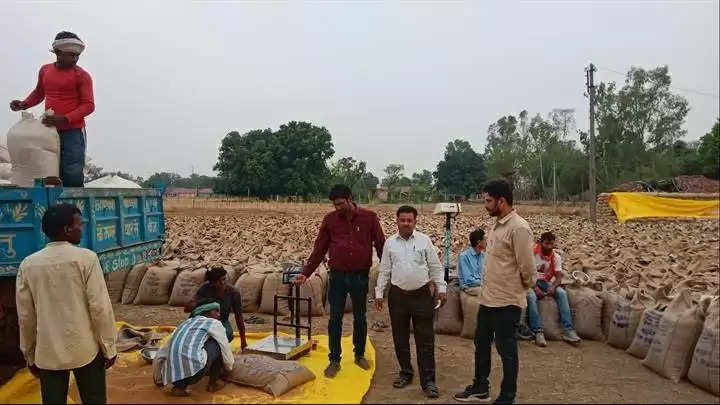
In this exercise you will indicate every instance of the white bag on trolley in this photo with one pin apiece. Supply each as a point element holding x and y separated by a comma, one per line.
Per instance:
<point>34,150</point>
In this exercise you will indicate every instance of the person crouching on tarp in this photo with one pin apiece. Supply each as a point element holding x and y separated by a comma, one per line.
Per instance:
<point>199,347</point>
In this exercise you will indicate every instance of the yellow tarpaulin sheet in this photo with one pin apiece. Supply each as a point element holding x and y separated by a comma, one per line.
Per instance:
<point>130,381</point>
<point>637,205</point>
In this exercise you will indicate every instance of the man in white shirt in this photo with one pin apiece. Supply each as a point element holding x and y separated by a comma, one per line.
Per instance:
<point>64,312</point>
<point>411,264</point>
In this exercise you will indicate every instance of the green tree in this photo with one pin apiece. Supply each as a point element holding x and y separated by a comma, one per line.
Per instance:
<point>462,170</point>
<point>366,186</point>
<point>421,184</point>
<point>162,180</point>
<point>709,152</point>
<point>289,161</point>
<point>636,125</point>
<point>347,171</point>
<point>423,178</point>
<point>393,175</point>
<point>507,148</point>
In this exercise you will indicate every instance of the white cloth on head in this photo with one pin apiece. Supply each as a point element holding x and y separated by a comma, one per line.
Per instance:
<point>69,45</point>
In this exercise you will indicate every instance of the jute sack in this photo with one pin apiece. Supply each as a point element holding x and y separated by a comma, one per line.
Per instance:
<point>646,331</point>
<point>671,351</point>
<point>469,304</point>
<point>186,285</point>
<point>115,282</point>
<point>372,283</point>
<point>348,304</point>
<point>550,317</point>
<point>34,150</point>
<point>626,319</point>
<point>250,286</point>
<point>449,319</point>
<point>313,288</point>
<point>705,367</point>
<point>611,303</point>
<point>133,281</point>
<point>275,377</point>
<point>156,286</point>
<point>323,274</point>
<point>586,308</point>
<point>273,286</point>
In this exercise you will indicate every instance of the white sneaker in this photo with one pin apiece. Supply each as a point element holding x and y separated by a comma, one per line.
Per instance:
<point>571,337</point>
<point>540,339</point>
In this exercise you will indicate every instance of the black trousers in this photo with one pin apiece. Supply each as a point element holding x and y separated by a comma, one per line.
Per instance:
<point>213,366</point>
<point>499,322</point>
<point>417,307</point>
<point>340,285</point>
<point>90,382</point>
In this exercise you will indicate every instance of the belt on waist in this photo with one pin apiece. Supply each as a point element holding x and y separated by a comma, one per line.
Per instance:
<point>420,291</point>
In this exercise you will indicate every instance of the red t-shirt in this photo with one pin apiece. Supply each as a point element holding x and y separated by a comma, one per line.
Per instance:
<point>349,240</point>
<point>67,91</point>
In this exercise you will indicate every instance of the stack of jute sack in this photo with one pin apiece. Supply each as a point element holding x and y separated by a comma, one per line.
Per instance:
<point>675,335</point>
<point>173,283</point>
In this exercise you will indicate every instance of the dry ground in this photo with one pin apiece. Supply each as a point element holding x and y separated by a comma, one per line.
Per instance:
<point>559,373</point>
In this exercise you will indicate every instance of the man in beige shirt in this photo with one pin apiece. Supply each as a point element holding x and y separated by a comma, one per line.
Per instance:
<point>509,273</point>
<point>64,311</point>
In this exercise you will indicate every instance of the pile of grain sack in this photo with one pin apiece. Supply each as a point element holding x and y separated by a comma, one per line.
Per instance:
<point>170,282</point>
<point>674,335</point>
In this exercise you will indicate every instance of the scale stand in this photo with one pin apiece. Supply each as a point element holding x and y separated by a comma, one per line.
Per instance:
<point>285,347</point>
<point>450,211</point>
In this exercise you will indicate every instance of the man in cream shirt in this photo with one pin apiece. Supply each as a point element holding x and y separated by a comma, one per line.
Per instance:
<point>509,273</point>
<point>64,311</point>
<point>410,263</point>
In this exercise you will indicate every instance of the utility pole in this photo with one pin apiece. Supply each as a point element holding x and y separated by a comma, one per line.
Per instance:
<point>590,84</point>
<point>554,187</point>
<point>196,190</point>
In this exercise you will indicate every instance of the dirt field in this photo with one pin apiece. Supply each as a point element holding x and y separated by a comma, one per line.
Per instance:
<point>559,373</point>
<point>591,373</point>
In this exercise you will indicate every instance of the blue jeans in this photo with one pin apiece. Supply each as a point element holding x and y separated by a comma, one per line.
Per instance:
<point>72,157</point>
<point>340,285</point>
<point>561,299</point>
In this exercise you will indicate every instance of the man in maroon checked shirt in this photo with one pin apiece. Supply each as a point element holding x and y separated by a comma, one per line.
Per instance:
<point>349,233</point>
<point>67,89</point>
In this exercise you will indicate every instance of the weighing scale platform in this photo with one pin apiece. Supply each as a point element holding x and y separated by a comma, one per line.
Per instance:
<point>280,347</point>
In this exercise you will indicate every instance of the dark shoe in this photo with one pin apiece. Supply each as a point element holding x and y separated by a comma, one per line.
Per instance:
<point>473,394</point>
<point>362,363</point>
<point>431,391</point>
<point>504,399</point>
<point>402,381</point>
<point>332,369</point>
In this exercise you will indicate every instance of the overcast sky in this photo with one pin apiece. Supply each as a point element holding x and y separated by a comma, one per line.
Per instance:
<point>393,82</point>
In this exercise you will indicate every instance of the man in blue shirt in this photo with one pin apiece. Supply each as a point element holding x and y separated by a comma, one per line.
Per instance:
<point>471,261</point>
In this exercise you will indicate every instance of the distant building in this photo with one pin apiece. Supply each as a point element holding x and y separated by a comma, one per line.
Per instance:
<point>383,194</point>
<point>181,192</point>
